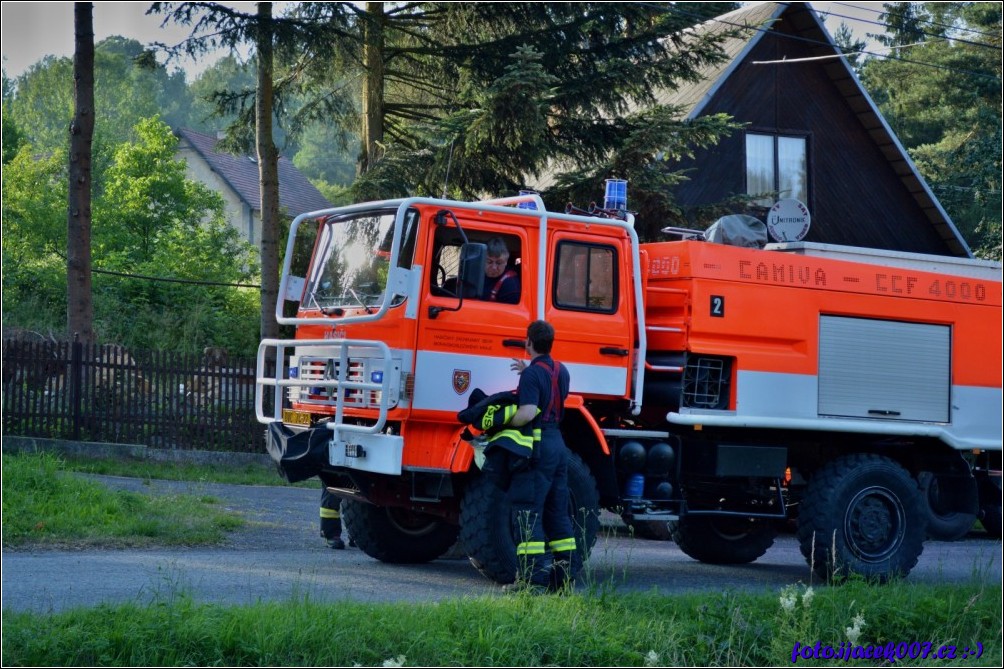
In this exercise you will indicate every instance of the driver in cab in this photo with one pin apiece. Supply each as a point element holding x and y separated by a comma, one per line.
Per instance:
<point>502,283</point>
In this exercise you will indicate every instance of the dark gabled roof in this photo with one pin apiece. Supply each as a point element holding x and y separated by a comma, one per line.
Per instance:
<point>296,194</point>
<point>755,21</point>
<point>691,97</point>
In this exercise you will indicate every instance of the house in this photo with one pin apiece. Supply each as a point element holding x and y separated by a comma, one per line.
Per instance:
<point>813,134</point>
<point>236,179</point>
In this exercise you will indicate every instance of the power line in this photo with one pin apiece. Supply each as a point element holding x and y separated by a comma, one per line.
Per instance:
<point>667,8</point>
<point>919,20</point>
<point>165,280</point>
<point>931,35</point>
<point>188,281</point>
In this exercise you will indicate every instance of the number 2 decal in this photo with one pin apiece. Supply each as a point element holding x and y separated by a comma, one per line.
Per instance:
<point>718,306</point>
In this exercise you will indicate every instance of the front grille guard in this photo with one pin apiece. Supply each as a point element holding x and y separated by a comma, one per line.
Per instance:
<point>342,386</point>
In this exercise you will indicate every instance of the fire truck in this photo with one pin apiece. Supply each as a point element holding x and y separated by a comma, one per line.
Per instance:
<point>719,393</point>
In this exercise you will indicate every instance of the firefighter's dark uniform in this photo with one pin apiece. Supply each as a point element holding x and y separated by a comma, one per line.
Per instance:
<point>331,519</point>
<point>506,288</point>
<point>531,463</point>
<point>540,494</point>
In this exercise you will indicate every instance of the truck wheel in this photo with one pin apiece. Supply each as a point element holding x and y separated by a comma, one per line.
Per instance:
<point>486,531</point>
<point>723,540</point>
<point>862,514</point>
<point>990,506</point>
<point>655,530</point>
<point>943,522</point>
<point>396,535</point>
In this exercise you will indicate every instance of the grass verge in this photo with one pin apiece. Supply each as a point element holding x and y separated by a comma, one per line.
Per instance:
<point>43,504</point>
<point>247,474</point>
<point>595,628</point>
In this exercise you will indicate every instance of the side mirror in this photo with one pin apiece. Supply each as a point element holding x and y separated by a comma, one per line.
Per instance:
<point>473,257</point>
<point>470,275</point>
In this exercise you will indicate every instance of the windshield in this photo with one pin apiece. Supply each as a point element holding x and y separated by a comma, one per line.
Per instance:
<point>352,260</point>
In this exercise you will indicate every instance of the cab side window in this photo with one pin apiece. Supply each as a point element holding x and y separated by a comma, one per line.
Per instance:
<point>502,272</point>
<point>586,277</point>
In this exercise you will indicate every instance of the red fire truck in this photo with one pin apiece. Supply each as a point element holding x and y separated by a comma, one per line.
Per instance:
<point>717,392</point>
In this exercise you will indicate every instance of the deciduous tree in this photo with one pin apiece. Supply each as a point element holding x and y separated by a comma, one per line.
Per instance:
<point>129,86</point>
<point>12,136</point>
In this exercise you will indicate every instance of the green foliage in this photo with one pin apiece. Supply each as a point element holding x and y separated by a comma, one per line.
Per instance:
<point>227,91</point>
<point>948,115</point>
<point>124,93</point>
<point>148,208</point>
<point>551,91</point>
<point>849,45</point>
<point>225,74</point>
<point>34,240</point>
<point>43,102</point>
<point>478,98</point>
<point>144,193</point>
<point>34,205</point>
<point>11,135</point>
<point>323,156</point>
<point>42,504</point>
<point>655,141</point>
<point>149,221</point>
<point>336,195</point>
<point>592,630</point>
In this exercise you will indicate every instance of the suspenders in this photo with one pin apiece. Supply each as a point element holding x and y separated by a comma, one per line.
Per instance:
<point>552,412</point>
<point>498,284</point>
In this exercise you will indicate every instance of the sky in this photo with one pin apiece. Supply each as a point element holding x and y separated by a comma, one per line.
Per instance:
<point>32,30</point>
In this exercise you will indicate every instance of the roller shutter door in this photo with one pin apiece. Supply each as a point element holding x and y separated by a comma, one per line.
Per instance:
<point>884,369</point>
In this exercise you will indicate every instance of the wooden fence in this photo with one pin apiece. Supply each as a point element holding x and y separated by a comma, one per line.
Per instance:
<point>68,390</point>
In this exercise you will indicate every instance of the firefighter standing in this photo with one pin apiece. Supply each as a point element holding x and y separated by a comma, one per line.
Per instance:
<point>539,492</point>
<point>331,519</point>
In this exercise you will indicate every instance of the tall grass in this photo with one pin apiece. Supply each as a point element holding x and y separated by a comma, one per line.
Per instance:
<point>587,629</point>
<point>45,505</point>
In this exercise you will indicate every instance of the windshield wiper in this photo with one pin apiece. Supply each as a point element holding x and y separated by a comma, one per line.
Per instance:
<point>360,301</point>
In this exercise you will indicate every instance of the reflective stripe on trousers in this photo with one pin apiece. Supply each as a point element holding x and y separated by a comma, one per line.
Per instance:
<point>540,501</point>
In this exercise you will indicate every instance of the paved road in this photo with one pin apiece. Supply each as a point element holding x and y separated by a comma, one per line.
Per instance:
<point>281,556</point>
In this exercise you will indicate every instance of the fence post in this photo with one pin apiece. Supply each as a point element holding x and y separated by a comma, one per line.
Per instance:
<point>75,383</point>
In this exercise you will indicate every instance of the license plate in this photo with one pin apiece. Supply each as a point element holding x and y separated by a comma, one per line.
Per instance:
<point>293,417</point>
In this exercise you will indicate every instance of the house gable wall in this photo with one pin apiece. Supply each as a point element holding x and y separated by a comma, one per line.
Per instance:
<point>855,196</point>
<point>246,221</point>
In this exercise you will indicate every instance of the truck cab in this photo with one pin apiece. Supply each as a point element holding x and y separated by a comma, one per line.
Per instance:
<point>393,335</point>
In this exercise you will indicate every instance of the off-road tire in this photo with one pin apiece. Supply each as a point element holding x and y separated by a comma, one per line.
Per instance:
<point>397,535</point>
<point>944,524</point>
<point>723,540</point>
<point>486,533</point>
<point>862,514</point>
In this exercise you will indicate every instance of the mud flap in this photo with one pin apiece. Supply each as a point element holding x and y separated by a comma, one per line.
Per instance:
<point>299,455</point>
